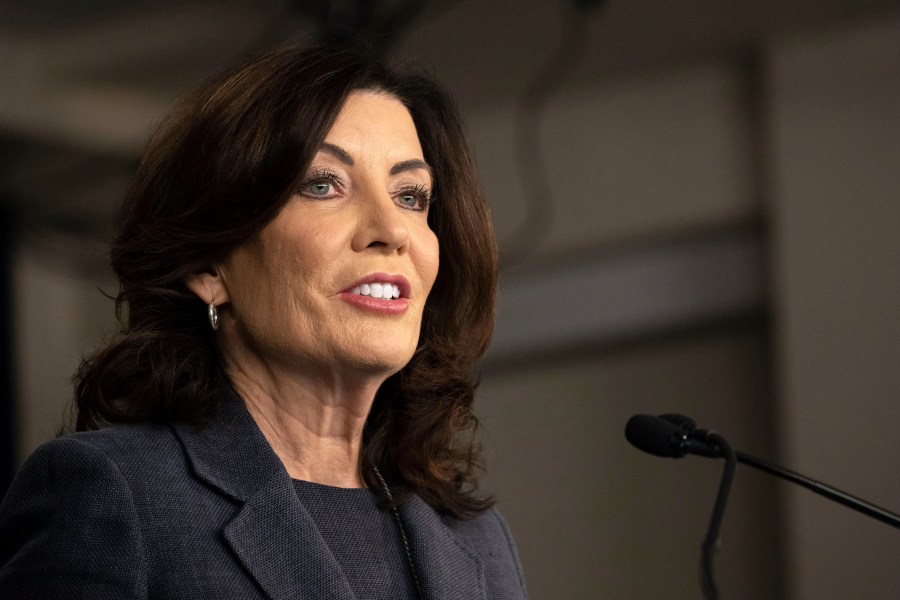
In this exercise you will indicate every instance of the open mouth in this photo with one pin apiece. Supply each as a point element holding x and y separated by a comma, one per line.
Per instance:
<point>384,291</point>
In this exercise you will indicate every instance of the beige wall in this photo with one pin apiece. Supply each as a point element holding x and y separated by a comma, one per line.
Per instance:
<point>653,154</point>
<point>836,210</point>
<point>596,518</point>
<point>59,315</point>
<point>593,519</point>
<point>634,164</point>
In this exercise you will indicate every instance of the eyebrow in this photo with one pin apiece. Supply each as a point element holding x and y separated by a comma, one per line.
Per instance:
<point>403,166</point>
<point>338,153</point>
<point>411,165</point>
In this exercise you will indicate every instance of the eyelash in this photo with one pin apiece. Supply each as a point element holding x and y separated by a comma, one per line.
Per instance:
<point>422,192</point>
<point>320,176</point>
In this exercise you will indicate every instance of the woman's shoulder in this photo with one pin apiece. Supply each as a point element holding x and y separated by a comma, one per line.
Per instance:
<point>72,517</point>
<point>126,448</point>
<point>116,440</point>
<point>489,536</point>
<point>95,476</point>
<point>487,528</point>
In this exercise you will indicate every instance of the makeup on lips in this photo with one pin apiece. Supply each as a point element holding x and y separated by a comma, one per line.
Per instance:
<point>386,294</point>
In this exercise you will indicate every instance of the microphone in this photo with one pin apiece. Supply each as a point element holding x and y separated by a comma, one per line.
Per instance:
<point>676,436</point>
<point>672,436</point>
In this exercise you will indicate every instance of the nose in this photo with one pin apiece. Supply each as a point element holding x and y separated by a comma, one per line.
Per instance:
<point>381,224</point>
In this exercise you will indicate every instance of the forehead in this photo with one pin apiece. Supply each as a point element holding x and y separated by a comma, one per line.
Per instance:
<point>371,118</point>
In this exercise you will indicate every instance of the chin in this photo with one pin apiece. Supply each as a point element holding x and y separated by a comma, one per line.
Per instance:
<point>383,360</point>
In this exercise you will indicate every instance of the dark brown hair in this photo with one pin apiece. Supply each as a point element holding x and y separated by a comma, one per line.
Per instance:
<point>220,169</point>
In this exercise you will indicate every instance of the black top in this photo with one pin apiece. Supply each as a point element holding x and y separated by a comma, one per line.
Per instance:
<point>364,538</point>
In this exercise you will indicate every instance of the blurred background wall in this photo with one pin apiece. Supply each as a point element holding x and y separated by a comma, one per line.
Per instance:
<point>697,204</point>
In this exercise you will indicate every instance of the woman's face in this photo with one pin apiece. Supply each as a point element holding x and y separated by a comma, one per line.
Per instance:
<point>339,279</point>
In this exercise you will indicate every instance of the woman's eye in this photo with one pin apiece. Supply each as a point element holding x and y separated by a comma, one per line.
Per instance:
<point>319,188</point>
<point>321,184</point>
<point>413,199</point>
<point>409,200</point>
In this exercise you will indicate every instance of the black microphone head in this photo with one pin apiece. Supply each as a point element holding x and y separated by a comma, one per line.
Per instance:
<point>655,436</point>
<point>686,424</point>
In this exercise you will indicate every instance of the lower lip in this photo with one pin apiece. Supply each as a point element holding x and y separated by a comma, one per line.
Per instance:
<point>376,305</point>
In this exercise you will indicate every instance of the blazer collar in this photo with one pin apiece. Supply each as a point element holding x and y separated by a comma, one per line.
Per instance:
<point>276,538</point>
<point>272,533</point>
<point>230,452</point>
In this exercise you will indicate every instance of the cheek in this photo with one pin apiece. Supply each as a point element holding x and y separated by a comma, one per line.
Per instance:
<point>275,271</point>
<point>259,276</point>
<point>428,258</point>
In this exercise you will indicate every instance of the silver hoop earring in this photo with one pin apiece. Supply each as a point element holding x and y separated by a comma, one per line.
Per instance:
<point>213,316</point>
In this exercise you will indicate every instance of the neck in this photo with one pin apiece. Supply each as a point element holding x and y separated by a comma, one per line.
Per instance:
<point>316,430</point>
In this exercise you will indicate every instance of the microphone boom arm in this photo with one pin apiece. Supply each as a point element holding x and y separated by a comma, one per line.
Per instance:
<point>834,494</point>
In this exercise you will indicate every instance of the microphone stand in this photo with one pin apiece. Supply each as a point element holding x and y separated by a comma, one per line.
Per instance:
<point>848,500</point>
<point>676,436</point>
<point>716,445</point>
<point>711,543</point>
<point>732,457</point>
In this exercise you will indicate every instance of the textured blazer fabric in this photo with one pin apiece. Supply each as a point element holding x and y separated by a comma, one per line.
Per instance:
<point>182,512</point>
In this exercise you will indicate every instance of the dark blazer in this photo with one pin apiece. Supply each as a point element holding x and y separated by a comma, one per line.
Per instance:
<point>179,512</point>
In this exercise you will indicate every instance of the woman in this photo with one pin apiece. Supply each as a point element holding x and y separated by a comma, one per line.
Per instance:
<point>307,275</point>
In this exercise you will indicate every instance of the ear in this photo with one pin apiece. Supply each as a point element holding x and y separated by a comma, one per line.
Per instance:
<point>208,285</point>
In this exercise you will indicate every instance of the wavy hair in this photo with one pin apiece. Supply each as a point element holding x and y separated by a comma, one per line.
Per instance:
<point>216,172</point>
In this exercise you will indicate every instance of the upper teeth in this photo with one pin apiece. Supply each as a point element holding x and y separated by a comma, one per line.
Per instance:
<point>386,291</point>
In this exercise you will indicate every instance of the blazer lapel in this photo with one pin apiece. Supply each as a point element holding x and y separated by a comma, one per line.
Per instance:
<point>280,545</point>
<point>448,569</point>
<point>272,534</point>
